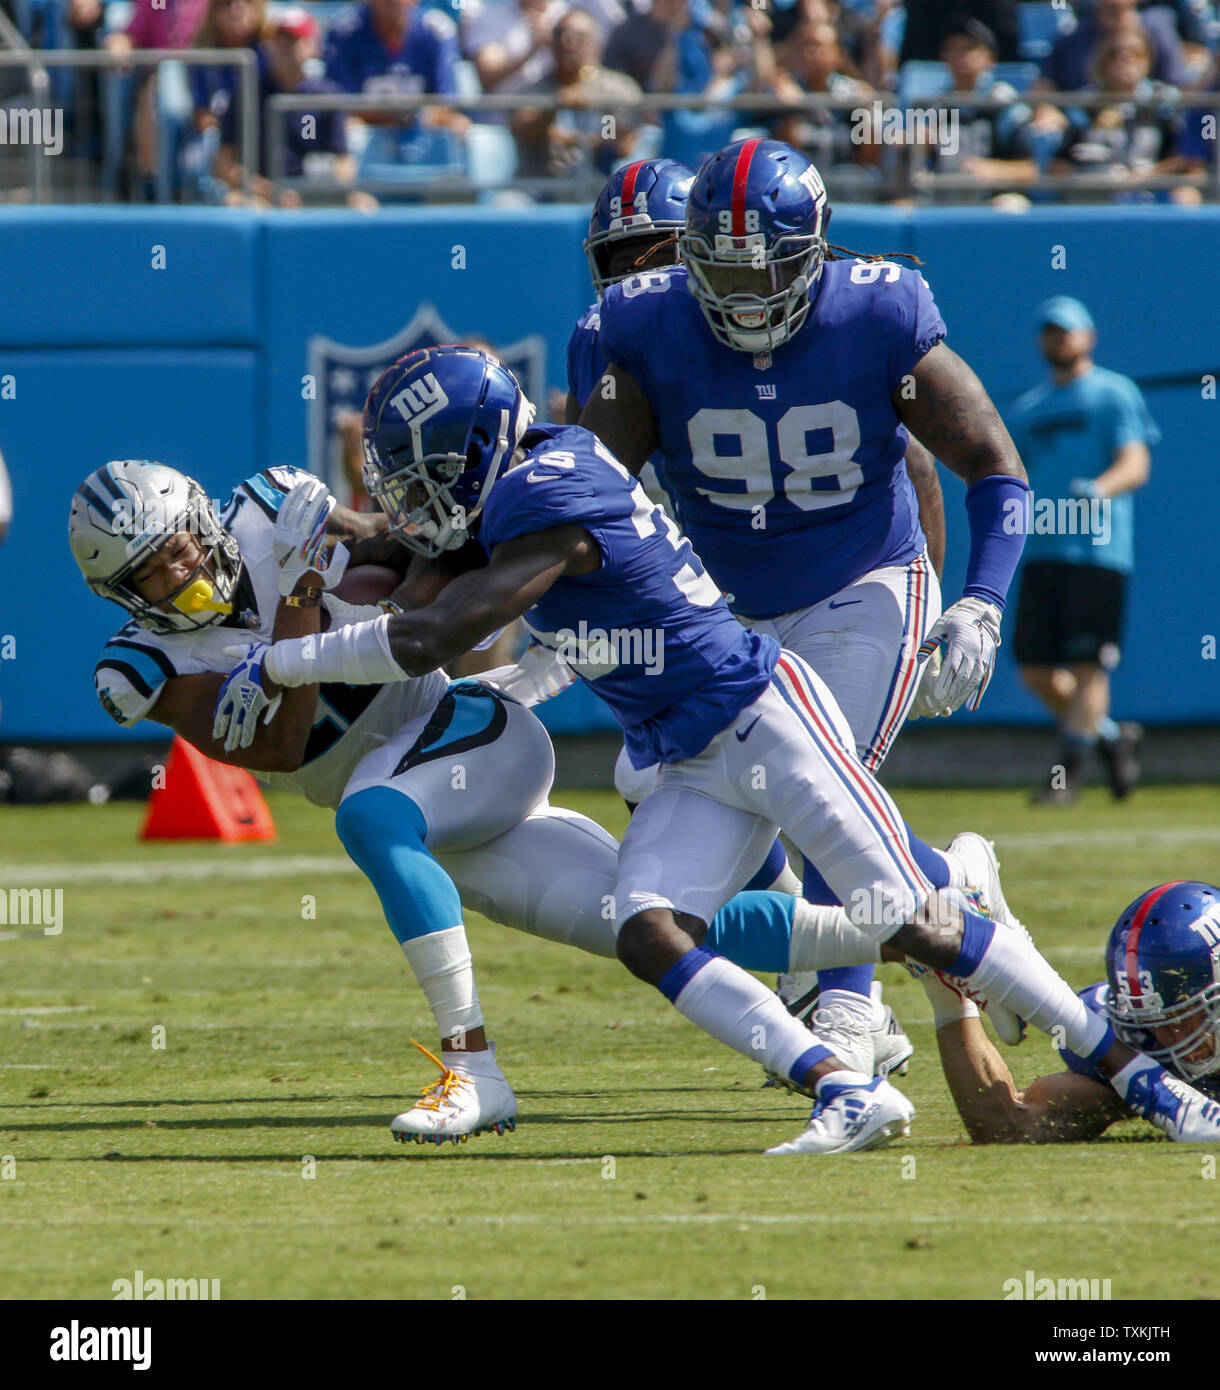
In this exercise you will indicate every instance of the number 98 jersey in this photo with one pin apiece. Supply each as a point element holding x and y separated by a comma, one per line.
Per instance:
<point>788,467</point>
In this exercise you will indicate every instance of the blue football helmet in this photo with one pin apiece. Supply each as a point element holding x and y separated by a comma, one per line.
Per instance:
<point>642,206</point>
<point>754,242</point>
<point>440,425</point>
<point>1163,967</point>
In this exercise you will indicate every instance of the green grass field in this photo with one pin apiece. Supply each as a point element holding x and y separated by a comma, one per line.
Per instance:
<point>637,1169</point>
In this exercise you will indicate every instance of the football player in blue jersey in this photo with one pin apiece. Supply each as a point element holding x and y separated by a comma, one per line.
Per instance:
<point>634,226</point>
<point>198,586</point>
<point>1162,996</point>
<point>552,528</point>
<point>784,385</point>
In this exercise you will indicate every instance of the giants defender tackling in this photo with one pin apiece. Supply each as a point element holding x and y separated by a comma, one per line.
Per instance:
<point>748,737</point>
<point>782,387</point>
<point>146,537</point>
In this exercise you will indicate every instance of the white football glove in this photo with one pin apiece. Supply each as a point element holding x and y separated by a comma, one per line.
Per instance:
<point>242,699</point>
<point>967,634</point>
<point>924,706</point>
<point>299,543</point>
<point>540,675</point>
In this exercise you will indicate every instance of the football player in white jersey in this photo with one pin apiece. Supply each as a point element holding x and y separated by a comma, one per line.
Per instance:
<point>200,588</point>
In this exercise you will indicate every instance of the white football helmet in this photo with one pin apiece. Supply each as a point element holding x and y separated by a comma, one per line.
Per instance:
<point>123,513</point>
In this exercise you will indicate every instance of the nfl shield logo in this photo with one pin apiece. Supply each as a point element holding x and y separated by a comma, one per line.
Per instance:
<point>345,375</point>
<point>762,360</point>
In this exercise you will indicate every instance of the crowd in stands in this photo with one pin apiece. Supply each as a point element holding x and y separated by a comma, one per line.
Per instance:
<point>180,133</point>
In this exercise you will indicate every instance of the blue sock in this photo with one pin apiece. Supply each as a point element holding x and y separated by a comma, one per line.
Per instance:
<point>770,871</point>
<point>754,930</point>
<point>1107,730</point>
<point>932,863</point>
<point>383,832</point>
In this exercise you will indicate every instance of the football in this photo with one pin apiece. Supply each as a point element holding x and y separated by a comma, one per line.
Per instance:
<point>367,584</point>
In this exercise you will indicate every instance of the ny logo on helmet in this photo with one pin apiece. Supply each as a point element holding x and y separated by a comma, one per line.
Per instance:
<point>421,400</point>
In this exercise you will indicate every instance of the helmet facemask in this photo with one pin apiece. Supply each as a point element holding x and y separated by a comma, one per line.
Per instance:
<point>220,567</point>
<point>648,243</point>
<point>1134,1019</point>
<point>430,510</point>
<point>754,297</point>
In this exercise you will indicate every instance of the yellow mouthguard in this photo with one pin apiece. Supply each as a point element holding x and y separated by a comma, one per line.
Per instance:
<point>197,598</point>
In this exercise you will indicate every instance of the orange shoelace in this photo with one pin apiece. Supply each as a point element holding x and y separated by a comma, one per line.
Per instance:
<point>438,1092</point>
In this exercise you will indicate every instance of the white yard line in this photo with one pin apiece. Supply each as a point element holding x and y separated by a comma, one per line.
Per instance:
<point>153,870</point>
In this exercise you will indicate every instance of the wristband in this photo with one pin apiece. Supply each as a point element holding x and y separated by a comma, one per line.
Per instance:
<point>998,510</point>
<point>308,598</point>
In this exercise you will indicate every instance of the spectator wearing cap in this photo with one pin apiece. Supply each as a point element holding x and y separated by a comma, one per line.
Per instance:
<point>1084,437</point>
<point>573,138</point>
<point>988,141</point>
<point>314,143</point>
<point>394,47</point>
<point>929,21</point>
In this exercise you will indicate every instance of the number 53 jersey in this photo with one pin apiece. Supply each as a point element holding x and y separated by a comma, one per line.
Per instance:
<point>789,466</point>
<point>647,630</point>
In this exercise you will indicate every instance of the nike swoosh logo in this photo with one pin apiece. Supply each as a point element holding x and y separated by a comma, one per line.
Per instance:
<point>743,735</point>
<point>846,603</point>
<point>532,477</point>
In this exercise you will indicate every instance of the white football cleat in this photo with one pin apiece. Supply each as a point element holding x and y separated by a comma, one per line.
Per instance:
<point>977,857</point>
<point>470,1097</point>
<point>892,1049</point>
<point>849,1118</point>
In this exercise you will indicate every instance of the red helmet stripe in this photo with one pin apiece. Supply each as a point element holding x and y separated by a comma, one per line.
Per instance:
<point>629,177</point>
<point>1131,960</point>
<point>741,175</point>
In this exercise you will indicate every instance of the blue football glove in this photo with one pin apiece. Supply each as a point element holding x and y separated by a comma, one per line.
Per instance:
<point>242,699</point>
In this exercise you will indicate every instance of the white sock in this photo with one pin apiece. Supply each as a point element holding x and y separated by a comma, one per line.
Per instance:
<point>1012,972</point>
<point>442,965</point>
<point>824,938</point>
<point>949,1005</point>
<point>859,1006</point>
<point>740,1011</point>
<point>957,870</point>
<point>786,882</point>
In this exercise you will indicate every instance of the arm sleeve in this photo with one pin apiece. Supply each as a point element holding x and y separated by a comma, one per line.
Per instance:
<point>997,508</point>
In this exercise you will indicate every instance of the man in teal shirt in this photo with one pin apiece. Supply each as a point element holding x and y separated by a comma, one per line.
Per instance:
<point>1084,437</point>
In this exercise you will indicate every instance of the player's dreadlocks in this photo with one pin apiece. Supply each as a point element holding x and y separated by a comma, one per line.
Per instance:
<point>844,254</point>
